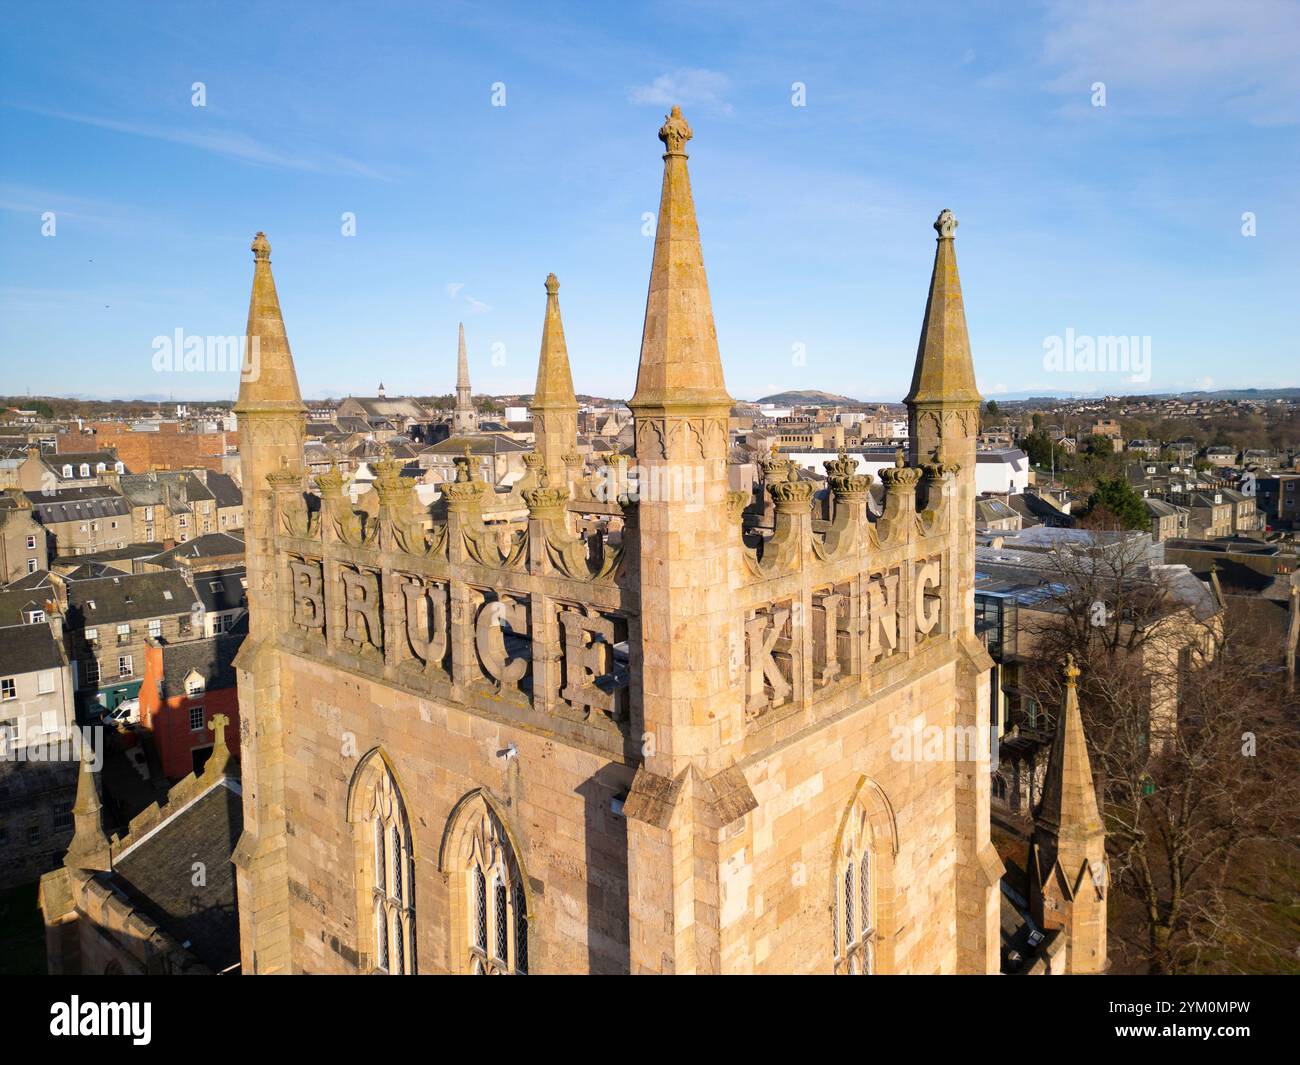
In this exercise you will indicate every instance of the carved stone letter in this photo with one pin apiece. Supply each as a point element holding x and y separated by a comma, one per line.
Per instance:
<point>826,637</point>
<point>761,635</point>
<point>489,638</point>
<point>929,608</point>
<point>426,611</point>
<point>882,598</point>
<point>361,608</point>
<point>588,656</point>
<point>308,599</point>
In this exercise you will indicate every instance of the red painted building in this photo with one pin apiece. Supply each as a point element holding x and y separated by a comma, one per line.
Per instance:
<point>185,684</point>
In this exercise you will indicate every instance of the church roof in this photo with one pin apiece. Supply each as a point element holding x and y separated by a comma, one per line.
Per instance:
<point>157,874</point>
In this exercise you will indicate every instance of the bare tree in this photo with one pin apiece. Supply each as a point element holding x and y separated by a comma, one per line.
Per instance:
<point>1193,739</point>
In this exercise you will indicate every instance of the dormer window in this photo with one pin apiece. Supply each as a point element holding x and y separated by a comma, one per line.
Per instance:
<point>85,469</point>
<point>100,467</point>
<point>119,467</point>
<point>67,470</point>
<point>194,683</point>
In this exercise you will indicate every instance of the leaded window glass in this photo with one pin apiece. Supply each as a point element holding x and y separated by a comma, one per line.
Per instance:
<point>496,903</point>
<point>393,892</point>
<point>481,906</point>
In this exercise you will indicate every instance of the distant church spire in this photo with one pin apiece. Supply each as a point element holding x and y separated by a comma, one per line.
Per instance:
<point>268,380</point>
<point>464,418</point>
<point>555,407</point>
<point>680,365</point>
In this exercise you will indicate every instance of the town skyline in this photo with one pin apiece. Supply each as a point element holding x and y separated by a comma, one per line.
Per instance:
<point>465,177</point>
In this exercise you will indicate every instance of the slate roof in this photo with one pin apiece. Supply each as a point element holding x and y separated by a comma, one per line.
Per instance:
<point>156,874</point>
<point>224,490</point>
<point>39,579</point>
<point>222,589</point>
<point>130,597</point>
<point>479,445</point>
<point>142,490</point>
<point>77,504</point>
<point>209,545</point>
<point>15,602</point>
<point>213,659</point>
<point>185,484</point>
<point>28,648</point>
<point>126,553</point>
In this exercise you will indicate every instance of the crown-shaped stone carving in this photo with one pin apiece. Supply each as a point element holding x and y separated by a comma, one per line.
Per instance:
<point>388,478</point>
<point>900,473</point>
<point>774,466</point>
<point>939,466</point>
<point>675,132</point>
<point>792,493</point>
<point>261,248</point>
<point>946,225</point>
<point>546,497</point>
<point>331,481</point>
<point>843,477</point>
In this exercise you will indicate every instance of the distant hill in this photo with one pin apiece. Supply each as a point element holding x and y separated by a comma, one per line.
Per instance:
<point>809,398</point>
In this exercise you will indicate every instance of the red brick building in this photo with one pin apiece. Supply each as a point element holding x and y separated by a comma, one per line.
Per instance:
<point>166,449</point>
<point>185,684</point>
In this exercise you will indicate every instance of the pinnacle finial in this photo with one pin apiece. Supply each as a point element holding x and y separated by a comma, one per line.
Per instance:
<point>1071,670</point>
<point>261,248</point>
<point>946,225</point>
<point>552,285</point>
<point>675,132</point>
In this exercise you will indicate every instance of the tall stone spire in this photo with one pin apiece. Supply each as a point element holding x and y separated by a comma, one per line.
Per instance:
<point>943,408</point>
<point>554,407</point>
<point>680,365</point>
<point>683,665</point>
<point>464,418</point>
<point>944,372</point>
<point>89,848</point>
<point>272,426</point>
<point>1068,806</point>
<point>268,380</point>
<point>1067,856</point>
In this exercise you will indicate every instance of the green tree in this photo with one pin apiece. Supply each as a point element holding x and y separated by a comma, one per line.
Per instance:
<point>1120,499</point>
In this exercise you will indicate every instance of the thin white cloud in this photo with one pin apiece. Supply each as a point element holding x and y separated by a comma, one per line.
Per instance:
<point>689,87</point>
<point>475,306</point>
<point>228,143</point>
<point>1163,58</point>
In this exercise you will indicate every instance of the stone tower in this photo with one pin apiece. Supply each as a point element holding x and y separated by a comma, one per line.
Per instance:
<point>1067,856</point>
<point>691,698</point>
<point>943,426</point>
<point>272,424</point>
<point>554,408</point>
<point>629,731</point>
<point>464,418</point>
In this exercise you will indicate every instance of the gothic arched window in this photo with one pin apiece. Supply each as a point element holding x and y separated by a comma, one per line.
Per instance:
<point>863,858</point>
<point>492,926</point>
<point>387,880</point>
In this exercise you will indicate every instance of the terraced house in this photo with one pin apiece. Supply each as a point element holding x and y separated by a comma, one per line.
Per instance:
<point>109,620</point>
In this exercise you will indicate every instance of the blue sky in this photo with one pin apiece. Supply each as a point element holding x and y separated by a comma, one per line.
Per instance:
<point>816,220</point>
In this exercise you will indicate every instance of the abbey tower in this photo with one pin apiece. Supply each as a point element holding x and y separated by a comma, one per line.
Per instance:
<point>667,747</point>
